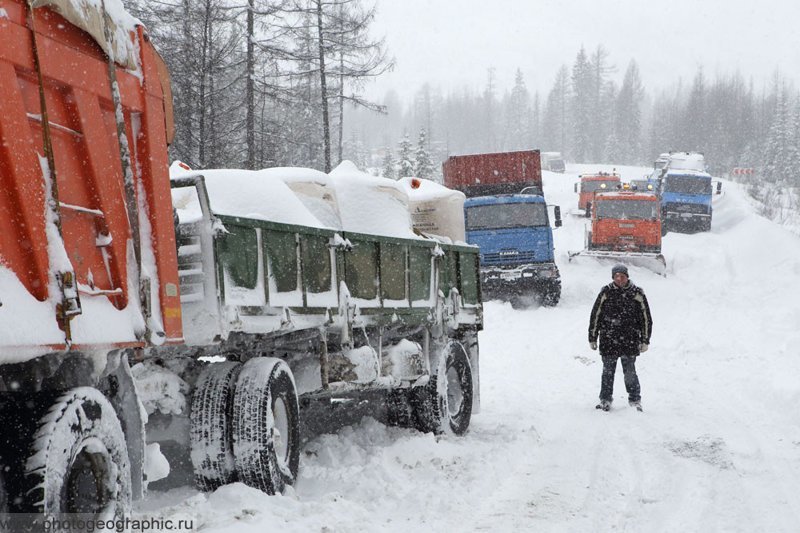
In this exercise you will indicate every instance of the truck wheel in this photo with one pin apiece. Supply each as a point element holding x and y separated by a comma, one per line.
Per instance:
<point>551,295</point>
<point>3,500</point>
<point>79,460</point>
<point>210,431</point>
<point>398,410</point>
<point>445,403</point>
<point>519,302</point>
<point>266,425</point>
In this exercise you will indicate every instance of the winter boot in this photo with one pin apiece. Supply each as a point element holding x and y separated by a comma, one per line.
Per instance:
<point>604,405</point>
<point>637,404</point>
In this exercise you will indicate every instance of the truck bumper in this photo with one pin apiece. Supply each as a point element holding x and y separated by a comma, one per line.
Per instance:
<point>686,222</point>
<point>506,283</point>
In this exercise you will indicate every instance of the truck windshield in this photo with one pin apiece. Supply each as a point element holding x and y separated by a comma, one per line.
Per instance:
<point>627,209</point>
<point>505,216</point>
<point>591,186</point>
<point>642,185</point>
<point>687,185</point>
<point>557,165</point>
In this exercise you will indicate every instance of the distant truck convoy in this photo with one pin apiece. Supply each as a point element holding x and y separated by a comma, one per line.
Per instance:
<point>686,190</point>
<point>507,217</point>
<point>554,162</point>
<point>214,319</point>
<point>626,227</point>
<point>590,184</point>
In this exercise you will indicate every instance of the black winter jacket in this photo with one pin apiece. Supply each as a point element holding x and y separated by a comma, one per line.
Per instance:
<point>621,318</point>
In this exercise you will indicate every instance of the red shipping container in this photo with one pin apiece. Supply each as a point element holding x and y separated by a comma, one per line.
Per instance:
<point>496,173</point>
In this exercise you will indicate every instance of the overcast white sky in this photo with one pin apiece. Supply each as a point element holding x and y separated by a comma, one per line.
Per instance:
<point>451,43</point>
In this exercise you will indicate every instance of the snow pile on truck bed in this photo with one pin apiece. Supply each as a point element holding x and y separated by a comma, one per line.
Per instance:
<point>373,205</point>
<point>88,16</point>
<point>314,188</point>
<point>244,193</point>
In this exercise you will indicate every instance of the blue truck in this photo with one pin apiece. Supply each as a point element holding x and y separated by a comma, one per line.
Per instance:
<point>507,217</point>
<point>685,189</point>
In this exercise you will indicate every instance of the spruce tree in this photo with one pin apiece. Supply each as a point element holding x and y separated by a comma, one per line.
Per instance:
<point>404,158</point>
<point>388,164</point>
<point>518,116</point>
<point>581,107</point>
<point>628,116</point>
<point>555,122</point>
<point>423,166</point>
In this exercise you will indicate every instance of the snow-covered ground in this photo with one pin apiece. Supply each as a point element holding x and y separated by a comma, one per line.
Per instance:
<point>716,449</point>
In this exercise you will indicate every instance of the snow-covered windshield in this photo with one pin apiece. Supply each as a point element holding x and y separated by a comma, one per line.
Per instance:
<point>591,186</point>
<point>627,209</point>
<point>688,185</point>
<point>505,216</point>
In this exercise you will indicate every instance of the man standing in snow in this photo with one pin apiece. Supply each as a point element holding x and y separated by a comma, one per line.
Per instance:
<point>621,318</point>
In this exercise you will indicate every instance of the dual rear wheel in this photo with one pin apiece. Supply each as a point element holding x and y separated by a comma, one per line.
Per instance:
<point>245,425</point>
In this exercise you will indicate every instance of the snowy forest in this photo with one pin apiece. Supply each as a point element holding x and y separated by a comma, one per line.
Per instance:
<point>281,82</point>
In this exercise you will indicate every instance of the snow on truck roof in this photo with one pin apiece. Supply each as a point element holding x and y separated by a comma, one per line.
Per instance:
<point>687,172</point>
<point>687,161</point>
<point>88,15</point>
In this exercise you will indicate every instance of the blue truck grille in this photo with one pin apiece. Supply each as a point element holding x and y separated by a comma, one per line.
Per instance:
<point>696,209</point>
<point>507,258</point>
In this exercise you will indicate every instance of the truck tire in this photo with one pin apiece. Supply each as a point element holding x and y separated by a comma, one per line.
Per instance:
<point>551,294</point>
<point>266,425</point>
<point>398,409</point>
<point>79,460</point>
<point>445,403</point>
<point>3,500</point>
<point>210,431</point>
<point>520,302</point>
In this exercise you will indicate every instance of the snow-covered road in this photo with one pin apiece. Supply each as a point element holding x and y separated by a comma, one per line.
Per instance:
<point>716,449</point>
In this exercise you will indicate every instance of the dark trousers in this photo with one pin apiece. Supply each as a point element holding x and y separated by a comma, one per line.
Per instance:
<point>631,379</point>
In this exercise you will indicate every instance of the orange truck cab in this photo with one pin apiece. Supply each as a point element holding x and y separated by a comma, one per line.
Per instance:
<point>592,183</point>
<point>625,228</point>
<point>626,221</point>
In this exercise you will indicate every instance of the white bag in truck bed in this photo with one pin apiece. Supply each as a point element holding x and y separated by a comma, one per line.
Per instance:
<point>435,209</point>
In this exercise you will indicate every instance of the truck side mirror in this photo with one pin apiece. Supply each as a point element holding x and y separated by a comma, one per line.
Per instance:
<point>557,214</point>
<point>719,187</point>
<point>576,187</point>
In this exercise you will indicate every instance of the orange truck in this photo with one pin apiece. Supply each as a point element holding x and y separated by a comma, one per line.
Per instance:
<point>88,262</point>
<point>626,227</point>
<point>589,184</point>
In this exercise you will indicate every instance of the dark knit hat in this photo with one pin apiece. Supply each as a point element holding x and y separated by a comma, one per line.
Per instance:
<point>619,269</point>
